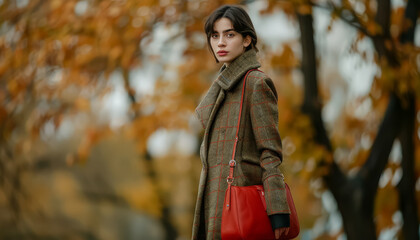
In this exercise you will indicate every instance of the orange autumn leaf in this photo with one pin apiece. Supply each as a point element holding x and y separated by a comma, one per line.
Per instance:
<point>305,9</point>
<point>82,104</point>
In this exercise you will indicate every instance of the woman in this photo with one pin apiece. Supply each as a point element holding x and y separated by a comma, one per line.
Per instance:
<point>232,39</point>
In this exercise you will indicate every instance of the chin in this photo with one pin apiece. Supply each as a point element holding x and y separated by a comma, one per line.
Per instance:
<point>225,60</point>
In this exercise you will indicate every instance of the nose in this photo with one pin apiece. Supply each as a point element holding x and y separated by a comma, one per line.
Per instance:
<point>221,42</point>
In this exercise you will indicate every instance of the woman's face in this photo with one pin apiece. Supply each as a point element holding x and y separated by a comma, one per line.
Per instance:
<point>227,44</point>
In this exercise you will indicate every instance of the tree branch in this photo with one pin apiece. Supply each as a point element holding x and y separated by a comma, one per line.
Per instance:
<point>383,19</point>
<point>378,157</point>
<point>349,16</point>
<point>411,14</point>
<point>388,131</point>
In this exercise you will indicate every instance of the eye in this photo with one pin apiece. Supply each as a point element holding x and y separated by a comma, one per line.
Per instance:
<point>230,35</point>
<point>214,35</point>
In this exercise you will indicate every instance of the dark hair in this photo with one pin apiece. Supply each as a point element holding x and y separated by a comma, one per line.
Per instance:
<point>240,20</point>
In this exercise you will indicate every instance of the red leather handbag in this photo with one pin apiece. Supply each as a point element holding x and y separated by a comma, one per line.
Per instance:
<point>244,210</point>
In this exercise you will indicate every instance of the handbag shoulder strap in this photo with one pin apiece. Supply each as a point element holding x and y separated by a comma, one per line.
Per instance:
<point>232,162</point>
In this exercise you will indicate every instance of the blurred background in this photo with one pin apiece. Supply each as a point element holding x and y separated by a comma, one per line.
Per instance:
<point>98,137</point>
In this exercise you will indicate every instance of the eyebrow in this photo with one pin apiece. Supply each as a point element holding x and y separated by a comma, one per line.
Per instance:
<point>225,31</point>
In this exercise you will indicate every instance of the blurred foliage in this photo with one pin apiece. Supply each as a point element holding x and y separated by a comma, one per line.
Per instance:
<point>55,65</point>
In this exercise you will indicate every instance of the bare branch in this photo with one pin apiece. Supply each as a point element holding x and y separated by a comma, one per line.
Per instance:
<point>349,16</point>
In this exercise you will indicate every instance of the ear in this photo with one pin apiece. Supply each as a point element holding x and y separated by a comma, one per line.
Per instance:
<point>247,41</point>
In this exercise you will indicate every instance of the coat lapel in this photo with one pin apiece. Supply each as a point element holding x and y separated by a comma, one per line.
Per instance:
<point>227,79</point>
<point>213,114</point>
<point>206,106</point>
<point>230,76</point>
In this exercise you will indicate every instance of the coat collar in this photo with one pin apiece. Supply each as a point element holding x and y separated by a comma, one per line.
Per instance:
<point>227,79</point>
<point>230,75</point>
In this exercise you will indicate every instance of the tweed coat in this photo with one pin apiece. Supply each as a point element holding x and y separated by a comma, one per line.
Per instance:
<point>258,153</point>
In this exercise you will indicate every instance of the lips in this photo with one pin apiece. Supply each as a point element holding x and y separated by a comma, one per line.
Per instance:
<point>222,53</point>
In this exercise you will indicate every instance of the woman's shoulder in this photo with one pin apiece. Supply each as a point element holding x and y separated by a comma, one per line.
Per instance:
<point>259,78</point>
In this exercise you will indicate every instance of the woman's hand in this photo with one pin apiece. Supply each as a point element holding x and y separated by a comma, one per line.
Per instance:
<point>280,231</point>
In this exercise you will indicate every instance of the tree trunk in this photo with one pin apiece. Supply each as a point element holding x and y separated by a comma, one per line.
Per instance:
<point>355,196</point>
<point>354,202</point>
<point>171,232</point>
<point>356,207</point>
<point>312,102</point>
<point>356,199</point>
<point>406,186</point>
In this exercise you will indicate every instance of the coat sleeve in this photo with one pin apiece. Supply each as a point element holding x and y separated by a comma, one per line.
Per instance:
<point>264,120</point>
